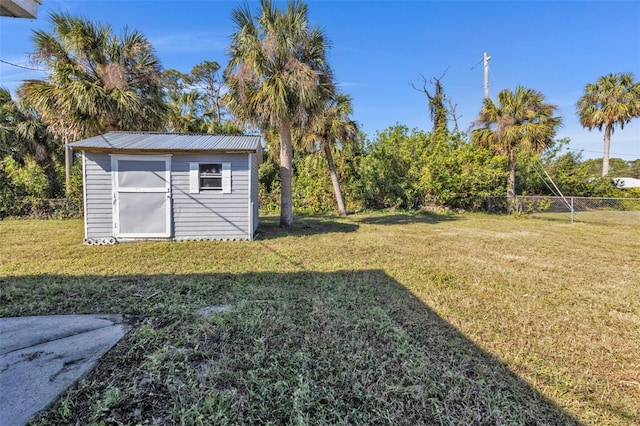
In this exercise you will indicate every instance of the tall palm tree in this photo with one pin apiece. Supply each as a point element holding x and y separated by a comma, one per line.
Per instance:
<point>330,125</point>
<point>97,81</point>
<point>520,121</point>
<point>276,76</point>
<point>613,99</point>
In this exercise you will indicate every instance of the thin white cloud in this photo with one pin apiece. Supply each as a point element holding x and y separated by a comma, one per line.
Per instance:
<point>345,84</point>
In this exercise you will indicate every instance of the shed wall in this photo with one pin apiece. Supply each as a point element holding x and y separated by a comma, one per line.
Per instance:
<point>255,184</point>
<point>98,196</point>
<point>210,214</point>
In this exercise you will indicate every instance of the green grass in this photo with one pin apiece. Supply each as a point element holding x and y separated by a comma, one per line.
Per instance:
<point>373,319</point>
<point>595,217</point>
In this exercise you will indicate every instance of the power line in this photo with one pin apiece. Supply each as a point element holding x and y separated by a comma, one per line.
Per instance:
<point>600,152</point>
<point>22,66</point>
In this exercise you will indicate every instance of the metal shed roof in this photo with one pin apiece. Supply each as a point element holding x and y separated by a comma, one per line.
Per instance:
<point>147,141</point>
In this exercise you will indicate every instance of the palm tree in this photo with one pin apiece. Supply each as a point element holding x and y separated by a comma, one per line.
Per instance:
<point>97,82</point>
<point>183,103</point>
<point>613,99</point>
<point>23,135</point>
<point>331,125</point>
<point>195,103</point>
<point>276,76</point>
<point>182,115</point>
<point>520,121</point>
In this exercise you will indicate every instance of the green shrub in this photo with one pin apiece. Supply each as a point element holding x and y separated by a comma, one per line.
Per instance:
<point>311,186</point>
<point>23,186</point>
<point>391,168</point>
<point>30,180</point>
<point>459,175</point>
<point>26,191</point>
<point>411,169</point>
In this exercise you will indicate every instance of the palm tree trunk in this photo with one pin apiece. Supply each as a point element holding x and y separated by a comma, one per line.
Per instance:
<point>607,144</point>
<point>511,182</point>
<point>334,179</point>
<point>286,159</point>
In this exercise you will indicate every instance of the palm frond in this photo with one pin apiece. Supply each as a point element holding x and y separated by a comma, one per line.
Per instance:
<point>96,79</point>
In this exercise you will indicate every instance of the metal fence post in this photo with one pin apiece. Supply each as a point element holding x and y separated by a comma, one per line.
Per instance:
<point>572,210</point>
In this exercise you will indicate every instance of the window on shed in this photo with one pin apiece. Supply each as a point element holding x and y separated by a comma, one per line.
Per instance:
<point>210,177</point>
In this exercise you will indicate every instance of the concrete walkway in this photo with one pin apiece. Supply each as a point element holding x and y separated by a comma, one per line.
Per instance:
<point>40,357</point>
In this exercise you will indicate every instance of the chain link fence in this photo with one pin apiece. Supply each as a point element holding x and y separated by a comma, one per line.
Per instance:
<point>41,208</point>
<point>620,211</point>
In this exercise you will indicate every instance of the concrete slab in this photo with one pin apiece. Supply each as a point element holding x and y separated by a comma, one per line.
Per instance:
<point>40,357</point>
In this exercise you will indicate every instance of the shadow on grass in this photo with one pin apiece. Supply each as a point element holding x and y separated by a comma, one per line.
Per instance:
<point>550,217</point>
<point>406,218</point>
<point>348,347</point>
<point>302,226</point>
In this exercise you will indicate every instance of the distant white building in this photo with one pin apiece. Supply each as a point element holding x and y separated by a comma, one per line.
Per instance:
<point>626,182</point>
<point>20,8</point>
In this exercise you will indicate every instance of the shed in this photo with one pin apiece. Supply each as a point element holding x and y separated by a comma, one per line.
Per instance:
<point>141,185</point>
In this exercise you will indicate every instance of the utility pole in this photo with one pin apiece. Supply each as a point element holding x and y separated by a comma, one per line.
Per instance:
<point>485,59</point>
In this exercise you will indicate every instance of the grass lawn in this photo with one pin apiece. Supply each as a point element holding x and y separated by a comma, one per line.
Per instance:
<point>373,319</point>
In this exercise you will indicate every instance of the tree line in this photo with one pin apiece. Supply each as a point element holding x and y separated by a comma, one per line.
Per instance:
<point>278,82</point>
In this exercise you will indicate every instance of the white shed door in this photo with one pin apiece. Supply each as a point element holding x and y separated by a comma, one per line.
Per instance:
<point>142,196</point>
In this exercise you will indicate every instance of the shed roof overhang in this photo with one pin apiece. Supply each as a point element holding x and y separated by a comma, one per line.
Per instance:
<point>19,8</point>
<point>168,143</point>
<point>165,151</point>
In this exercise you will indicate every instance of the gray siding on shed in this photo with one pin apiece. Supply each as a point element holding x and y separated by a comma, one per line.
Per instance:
<point>210,214</point>
<point>255,162</point>
<point>98,195</point>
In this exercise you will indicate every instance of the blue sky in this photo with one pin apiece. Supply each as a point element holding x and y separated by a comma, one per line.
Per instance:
<point>380,47</point>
